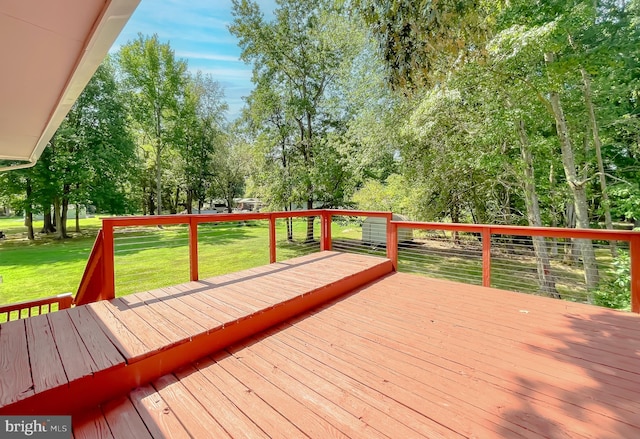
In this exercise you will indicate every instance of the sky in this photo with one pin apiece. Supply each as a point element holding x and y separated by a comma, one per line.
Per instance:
<point>197,31</point>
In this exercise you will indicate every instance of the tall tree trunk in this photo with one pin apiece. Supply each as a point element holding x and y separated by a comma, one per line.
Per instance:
<point>577,188</point>
<point>47,226</point>
<point>546,279</point>
<point>309,223</point>
<point>289,222</point>
<point>158,180</point>
<point>77,218</point>
<point>64,211</point>
<point>28,219</point>
<point>190,202</point>
<point>176,204</point>
<point>597,143</point>
<point>56,217</point>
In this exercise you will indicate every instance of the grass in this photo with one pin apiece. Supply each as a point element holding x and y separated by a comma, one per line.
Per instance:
<point>147,258</point>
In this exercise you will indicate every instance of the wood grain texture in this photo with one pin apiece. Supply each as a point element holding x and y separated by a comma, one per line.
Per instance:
<point>103,352</point>
<point>156,414</point>
<point>75,357</point>
<point>124,421</point>
<point>194,417</point>
<point>46,366</point>
<point>91,425</point>
<point>15,373</point>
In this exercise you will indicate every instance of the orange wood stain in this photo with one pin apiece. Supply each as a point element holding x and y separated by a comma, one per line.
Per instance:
<point>403,356</point>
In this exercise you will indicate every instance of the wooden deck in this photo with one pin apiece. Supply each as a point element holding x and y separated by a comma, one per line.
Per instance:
<point>63,362</point>
<point>404,357</point>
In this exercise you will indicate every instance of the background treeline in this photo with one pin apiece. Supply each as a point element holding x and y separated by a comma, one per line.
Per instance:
<point>512,112</point>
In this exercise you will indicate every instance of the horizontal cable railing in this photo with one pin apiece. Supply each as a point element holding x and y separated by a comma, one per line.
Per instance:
<point>581,265</point>
<point>538,260</point>
<point>22,310</point>
<point>359,233</point>
<point>297,236</point>
<point>141,253</point>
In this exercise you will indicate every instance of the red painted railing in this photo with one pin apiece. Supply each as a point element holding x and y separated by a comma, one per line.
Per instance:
<point>99,279</point>
<point>22,310</point>
<point>548,232</point>
<point>98,282</point>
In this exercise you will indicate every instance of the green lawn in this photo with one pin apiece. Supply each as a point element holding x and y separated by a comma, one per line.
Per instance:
<point>145,258</point>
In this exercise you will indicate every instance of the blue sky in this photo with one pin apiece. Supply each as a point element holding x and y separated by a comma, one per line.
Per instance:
<point>197,32</point>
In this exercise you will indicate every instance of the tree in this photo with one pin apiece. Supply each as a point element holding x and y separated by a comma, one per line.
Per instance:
<point>295,58</point>
<point>155,82</point>
<point>199,134</point>
<point>420,42</point>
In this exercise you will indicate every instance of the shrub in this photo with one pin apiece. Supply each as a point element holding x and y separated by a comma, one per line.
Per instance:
<point>617,291</point>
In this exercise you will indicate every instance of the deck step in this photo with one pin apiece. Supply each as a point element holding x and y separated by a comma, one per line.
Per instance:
<point>136,339</point>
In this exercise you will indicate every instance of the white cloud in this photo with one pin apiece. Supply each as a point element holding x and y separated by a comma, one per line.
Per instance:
<point>208,56</point>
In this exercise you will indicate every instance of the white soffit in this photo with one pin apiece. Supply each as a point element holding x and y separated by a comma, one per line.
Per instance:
<point>49,49</point>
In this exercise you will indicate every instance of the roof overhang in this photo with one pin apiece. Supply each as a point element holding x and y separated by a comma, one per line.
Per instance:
<point>49,51</point>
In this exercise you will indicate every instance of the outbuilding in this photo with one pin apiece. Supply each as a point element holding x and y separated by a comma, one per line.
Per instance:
<point>374,230</point>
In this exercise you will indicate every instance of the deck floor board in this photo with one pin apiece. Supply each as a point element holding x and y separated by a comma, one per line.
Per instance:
<point>16,382</point>
<point>392,360</point>
<point>45,362</point>
<point>403,356</point>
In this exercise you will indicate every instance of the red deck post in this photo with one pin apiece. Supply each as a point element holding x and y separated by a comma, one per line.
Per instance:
<point>635,274</point>
<point>486,257</point>
<point>193,248</point>
<point>325,231</point>
<point>108,264</point>
<point>272,239</point>
<point>392,243</point>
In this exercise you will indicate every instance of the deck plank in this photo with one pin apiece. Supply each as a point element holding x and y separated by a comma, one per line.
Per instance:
<point>231,418</point>
<point>15,373</point>
<point>262,414</point>
<point>366,403</point>
<point>194,417</point>
<point>124,421</point>
<point>91,425</point>
<point>134,319</point>
<point>311,392</point>
<point>182,311</point>
<point>156,414</point>
<point>75,357</point>
<point>46,366</point>
<point>160,317</point>
<point>126,341</point>
<point>304,418</point>
<point>103,353</point>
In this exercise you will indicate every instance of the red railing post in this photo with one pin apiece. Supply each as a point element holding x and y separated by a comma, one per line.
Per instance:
<point>486,257</point>
<point>635,273</point>
<point>193,248</point>
<point>392,242</point>
<point>108,263</point>
<point>272,239</point>
<point>325,231</point>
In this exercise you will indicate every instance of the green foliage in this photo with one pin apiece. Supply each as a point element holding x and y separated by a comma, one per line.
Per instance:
<point>616,293</point>
<point>395,195</point>
<point>155,83</point>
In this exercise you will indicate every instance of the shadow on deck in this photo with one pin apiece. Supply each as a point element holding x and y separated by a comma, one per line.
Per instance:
<point>353,350</point>
<point>63,362</point>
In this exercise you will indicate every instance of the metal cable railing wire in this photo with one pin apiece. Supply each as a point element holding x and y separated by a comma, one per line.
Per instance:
<point>150,257</point>
<point>516,266</point>
<point>232,246</point>
<point>359,234</point>
<point>456,257</point>
<point>293,237</point>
